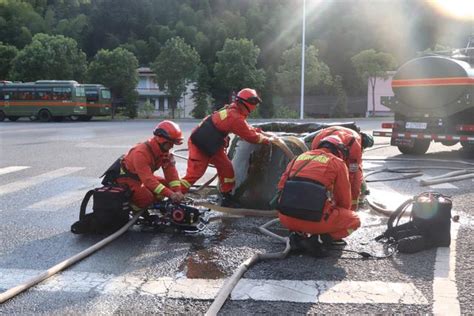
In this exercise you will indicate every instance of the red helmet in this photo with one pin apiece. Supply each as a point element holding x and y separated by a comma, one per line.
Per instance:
<point>335,145</point>
<point>249,98</point>
<point>169,131</point>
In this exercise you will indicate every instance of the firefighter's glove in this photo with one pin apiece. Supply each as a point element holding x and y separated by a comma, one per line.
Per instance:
<point>176,197</point>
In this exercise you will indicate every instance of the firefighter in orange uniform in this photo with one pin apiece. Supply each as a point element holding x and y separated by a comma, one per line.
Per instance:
<point>209,140</point>
<point>139,164</point>
<point>355,143</point>
<point>315,197</point>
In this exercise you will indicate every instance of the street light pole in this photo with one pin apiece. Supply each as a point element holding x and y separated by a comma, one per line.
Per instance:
<point>302,62</point>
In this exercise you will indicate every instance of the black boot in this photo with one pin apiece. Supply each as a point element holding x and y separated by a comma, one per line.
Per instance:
<point>314,247</point>
<point>228,200</point>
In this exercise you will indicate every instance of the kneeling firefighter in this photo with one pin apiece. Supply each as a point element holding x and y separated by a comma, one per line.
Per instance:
<point>315,196</point>
<point>208,142</point>
<point>356,142</point>
<point>135,169</point>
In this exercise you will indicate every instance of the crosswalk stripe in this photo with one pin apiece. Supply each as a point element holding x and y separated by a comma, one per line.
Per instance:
<point>23,184</point>
<point>57,202</point>
<point>12,169</point>
<point>301,291</point>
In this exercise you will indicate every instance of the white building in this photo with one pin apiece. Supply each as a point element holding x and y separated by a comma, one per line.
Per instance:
<point>148,90</point>
<point>383,87</point>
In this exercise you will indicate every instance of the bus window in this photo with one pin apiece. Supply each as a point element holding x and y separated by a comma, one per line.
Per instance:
<point>62,93</point>
<point>92,96</point>
<point>43,94</point>
<point>9,94</point>
<point>25,93</point>
<point>105,94</point>
<point>80,92</point>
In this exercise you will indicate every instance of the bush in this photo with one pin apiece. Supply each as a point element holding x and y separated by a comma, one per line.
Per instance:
<point>147,109</point>
<point>284,111</point>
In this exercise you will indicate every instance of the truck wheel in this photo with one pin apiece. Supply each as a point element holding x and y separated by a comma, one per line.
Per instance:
<point>2,116</point>
<point>44,116</point>
<point>467,147</point>
<point>419,148</point>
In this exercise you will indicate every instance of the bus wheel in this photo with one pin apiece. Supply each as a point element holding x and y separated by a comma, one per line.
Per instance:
<point>2,116</point>
<point>13,118</point>
<point>419,148</point>
<point>44,116</point>
<point>85,118</point>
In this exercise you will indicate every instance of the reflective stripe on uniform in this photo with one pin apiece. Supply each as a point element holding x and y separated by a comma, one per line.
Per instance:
<point>229,180</point>
<point>319,158</point>
<point>159,188</point>
<point>223,114</point>
<point>350,231</point>
<point>122,171</point>
<point>355,202</point>
<point>175,183</point>
<point>185,183</point>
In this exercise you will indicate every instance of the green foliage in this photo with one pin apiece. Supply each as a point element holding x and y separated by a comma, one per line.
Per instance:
<point>317,75</point>
<point>370,64</point>
<point>7,54</point>
<point>117,70</point>
<point>175,66</point>
<point>50,57</point>
<point>236,66</point>
<point>201,94</point>
<point>148,109</point>
<point>340,107</point>
<point>284,111</point>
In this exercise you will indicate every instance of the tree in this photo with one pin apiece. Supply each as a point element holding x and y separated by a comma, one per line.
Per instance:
<point>340,107</point>
<point>317,74</point>
<point>369,65</point>
<point>236,66</point>
<point>7,54</point>
<point>175,67</point>
<point>50,57</point>
<point>117,70</point>
<point>201,94</point>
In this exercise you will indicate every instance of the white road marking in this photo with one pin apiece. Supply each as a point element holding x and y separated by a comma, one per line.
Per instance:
<point>387,196</point>
<point>445,293</point>
<point>342,292</point>
<point>304,291</point>
<point>12,169</point>
<point>23,184</point>
<point>58,201</point>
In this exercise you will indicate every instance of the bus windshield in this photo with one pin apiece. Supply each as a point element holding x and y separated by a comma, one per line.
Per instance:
<point>105,93</point>
<point>80,91</point>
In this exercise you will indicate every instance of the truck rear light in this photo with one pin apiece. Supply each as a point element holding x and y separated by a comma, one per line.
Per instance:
<point>388,125</point>
<point>465,128</point>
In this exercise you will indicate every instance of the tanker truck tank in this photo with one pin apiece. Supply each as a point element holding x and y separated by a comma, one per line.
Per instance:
<point>433,101</point>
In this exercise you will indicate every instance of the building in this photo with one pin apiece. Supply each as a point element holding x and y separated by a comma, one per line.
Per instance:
<point>148,90</point>
<point>383,88</point>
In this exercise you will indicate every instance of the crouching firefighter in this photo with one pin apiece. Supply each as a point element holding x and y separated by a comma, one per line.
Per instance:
<point>315,198</point>
<point>135,169</point>
<point>208,142</point>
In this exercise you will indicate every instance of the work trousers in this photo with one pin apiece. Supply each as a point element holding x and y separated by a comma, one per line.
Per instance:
<point>142,197</point>
<point>337,222</point>
<point>197,166</point>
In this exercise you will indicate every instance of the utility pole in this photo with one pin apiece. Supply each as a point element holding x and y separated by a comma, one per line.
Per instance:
<point>302,62</point>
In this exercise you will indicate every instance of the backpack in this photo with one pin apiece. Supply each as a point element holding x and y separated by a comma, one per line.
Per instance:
<point>429,224</point>
<point>111,210</point>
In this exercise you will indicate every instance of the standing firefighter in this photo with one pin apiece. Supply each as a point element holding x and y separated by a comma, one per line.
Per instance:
<point>315,196</point>
<point>139,164</point>
<point>355,144</point>
<point>208,142</point>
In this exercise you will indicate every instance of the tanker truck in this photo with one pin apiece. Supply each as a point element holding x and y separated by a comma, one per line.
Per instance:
<point>433,101</point>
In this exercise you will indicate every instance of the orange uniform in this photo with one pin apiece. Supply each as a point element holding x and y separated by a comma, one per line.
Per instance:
<point>353,142</point>
<point>230,119</point>
<point>338,220</point>
<point>137,170</point>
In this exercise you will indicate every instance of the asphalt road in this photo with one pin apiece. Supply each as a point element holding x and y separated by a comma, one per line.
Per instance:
<point>46,168</point>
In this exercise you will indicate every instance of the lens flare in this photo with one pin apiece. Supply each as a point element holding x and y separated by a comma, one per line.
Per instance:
<point>457,9</point>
